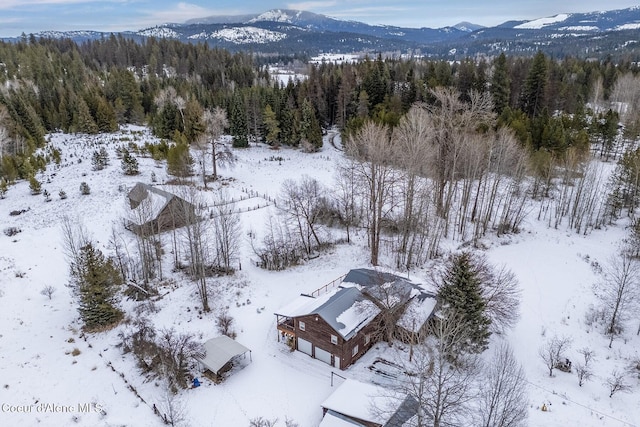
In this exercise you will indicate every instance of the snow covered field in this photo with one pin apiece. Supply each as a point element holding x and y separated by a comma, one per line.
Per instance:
<point>51,374</point>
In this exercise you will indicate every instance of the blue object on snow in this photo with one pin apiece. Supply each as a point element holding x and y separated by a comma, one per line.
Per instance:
<point>196,383</point>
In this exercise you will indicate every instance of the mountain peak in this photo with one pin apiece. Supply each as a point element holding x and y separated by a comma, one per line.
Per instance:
<point>467,26</point>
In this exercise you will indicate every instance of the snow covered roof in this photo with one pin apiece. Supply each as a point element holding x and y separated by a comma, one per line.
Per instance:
<point>418,311</point>
<point>333,419</point>
<point>149,201</point>
<point>347,311</point>
<point>219,351</point>
<point>344,309</point>
<point>367,402</point>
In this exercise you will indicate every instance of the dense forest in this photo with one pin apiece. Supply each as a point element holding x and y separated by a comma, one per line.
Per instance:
<point>558,111</point>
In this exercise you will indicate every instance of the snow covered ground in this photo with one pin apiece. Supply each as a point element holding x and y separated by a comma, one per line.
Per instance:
<point>52,374</point>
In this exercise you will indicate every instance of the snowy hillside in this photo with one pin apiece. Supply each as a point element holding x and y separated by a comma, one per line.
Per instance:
<point>159,32</point>
<point>53,374</point>
<point>245,35</point>
<point>542,22</point>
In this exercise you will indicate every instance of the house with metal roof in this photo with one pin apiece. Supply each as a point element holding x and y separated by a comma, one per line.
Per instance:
<point>339,325</point>
<point>152,210</point>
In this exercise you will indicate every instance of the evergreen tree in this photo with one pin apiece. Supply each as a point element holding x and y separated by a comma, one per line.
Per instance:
<point>105,116</point>
<point>500,86</point>
<point>129,163</point>
<point>179,161</point>
<point>532,99</point>
<point>193,125</point>
<point>100,159</point>
<point>84,188</point>
<point>4,187</point>
<point>310,132</point>
<point>271,126</point>
<point>82,120</point>
<point>95,281</point>
<point>34,185</point>
<point>460,294</point>
<point>238,123</point>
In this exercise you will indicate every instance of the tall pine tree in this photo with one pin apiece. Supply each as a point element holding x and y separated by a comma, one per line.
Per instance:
<point>500,86</point>
<point>95,281</point>
<point>460,293</point>
<point>532,99</point>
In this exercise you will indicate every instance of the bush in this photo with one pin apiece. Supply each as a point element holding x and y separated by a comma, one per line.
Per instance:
<point>48,291</point>
<point>4,187</point>
<point>35,186</point>
<point>47,196</point>
<point>129,163</point>
<point>85,189</point>
<point>62,194</point>
<point>11,231</point>
<point>100,159</point>
<point>224,322</point>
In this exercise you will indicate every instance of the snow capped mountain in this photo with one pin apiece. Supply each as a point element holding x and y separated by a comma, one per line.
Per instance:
<point>287,30</point>
<point>542,22</point>
<point>467,26</point>
<point>278,15</point>
<point>162,32</point>
<point>247,35</point>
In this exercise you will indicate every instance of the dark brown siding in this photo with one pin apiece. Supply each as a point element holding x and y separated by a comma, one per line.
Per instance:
<point>319,332</point>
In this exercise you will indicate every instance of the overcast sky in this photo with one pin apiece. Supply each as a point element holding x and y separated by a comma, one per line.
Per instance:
<point>30,16</point>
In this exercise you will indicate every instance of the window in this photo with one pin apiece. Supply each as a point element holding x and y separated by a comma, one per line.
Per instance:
<point>334,339</point>
<point>354,351</point>
<point>301,325</point>
<point>367,338</point>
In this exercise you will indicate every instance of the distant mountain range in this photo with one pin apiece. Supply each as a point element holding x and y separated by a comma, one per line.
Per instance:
<point>283,31</point>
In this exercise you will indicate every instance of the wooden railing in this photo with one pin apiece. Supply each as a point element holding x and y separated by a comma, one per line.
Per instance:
<point>327,287</point>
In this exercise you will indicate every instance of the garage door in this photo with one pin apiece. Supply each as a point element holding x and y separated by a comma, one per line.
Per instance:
<point>325,356</point>
<point>304,346</point>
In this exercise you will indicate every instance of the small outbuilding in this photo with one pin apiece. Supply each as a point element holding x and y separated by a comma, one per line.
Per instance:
<point>153,210</point>
<point>358,404</point>
<point>220,353</point>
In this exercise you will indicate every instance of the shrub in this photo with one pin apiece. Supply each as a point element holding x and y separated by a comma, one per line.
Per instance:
<point>85,189</point>
<point>11,231</point>
<point>34,186</point>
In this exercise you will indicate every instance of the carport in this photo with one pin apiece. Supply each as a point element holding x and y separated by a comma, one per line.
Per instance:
<point>220,352</point>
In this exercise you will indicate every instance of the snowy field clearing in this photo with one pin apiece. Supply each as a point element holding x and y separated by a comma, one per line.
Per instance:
<point>51,374</point>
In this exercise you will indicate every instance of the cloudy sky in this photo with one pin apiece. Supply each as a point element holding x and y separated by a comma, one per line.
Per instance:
<point>30,16</point>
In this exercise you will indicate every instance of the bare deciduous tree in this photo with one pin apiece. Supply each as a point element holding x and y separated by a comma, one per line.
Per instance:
<point>552,351</point>
<point>345,196</point>
<point>372,150</point>
<point>216,122</point>
<point>226,227</point>
<point>74,237</point>
<point>616,382</point>
<point>301,202</point>
<point>583,369</point>
<point>620,287</point>
<point>500,290</point>
<point>279,249</point>
<point>438,379</point>
<point>390,297</point>
<point>502,395</point>
<point>171,407</point>
<point>176,351</point>
<point>48,291</point>
<point>196,232</point>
